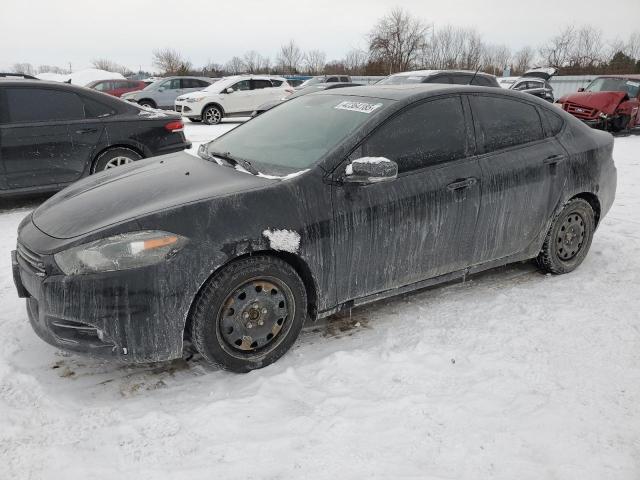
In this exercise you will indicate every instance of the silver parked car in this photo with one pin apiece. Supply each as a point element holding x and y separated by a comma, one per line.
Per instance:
<point>162,93</point>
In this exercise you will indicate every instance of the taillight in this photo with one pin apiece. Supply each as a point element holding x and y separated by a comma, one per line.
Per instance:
<point>175,126</point>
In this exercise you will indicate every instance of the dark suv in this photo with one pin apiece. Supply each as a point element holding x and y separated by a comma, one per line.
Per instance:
<point>52,134</point>
<point>456,77</point>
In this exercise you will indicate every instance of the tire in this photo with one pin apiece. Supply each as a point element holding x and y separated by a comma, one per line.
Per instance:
<point>250,314</point>
<point>147,103</point>
<point>569,238</point>
<point>212,115</point>
<point>114,157</point>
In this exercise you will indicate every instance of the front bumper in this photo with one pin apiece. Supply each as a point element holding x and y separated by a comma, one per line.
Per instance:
<point>189,109</point>
<point>133,315</point>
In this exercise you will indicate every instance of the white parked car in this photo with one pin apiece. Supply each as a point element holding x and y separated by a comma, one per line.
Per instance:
<point>231,96</point>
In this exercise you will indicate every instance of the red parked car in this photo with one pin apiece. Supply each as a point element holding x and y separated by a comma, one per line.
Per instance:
<point>117,87</point>
<point>609,102</point>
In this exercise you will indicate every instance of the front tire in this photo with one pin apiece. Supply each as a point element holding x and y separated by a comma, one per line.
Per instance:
<point>212,115</point>
<point>114,157</point>
<point>569,238</point>
<point>147,103</point>
<point>250,314</point>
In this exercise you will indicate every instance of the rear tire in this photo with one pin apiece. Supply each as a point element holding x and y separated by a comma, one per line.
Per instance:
<point>114,157</point>
<point>569,238</point>
<point>212,115</point>
<point>250,314</point>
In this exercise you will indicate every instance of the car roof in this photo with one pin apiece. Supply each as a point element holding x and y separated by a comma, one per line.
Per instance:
<point>631,76</point>
<point>426,73</point>
<point>416,91</point>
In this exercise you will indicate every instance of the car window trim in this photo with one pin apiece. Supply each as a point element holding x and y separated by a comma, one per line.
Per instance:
<point>336,173</point>
<point>40,122</point>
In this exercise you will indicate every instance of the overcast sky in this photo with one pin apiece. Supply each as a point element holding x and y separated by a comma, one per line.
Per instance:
<point>77,31</point>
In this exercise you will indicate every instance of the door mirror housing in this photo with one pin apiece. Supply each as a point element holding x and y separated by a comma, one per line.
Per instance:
<point>161,89</point>
<point>581,89</point>
<point>229,90</point>
<point>368,170</point>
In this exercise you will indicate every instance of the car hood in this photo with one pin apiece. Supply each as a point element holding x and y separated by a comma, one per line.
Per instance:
<point>606,102</point>
<point>198,93</point>
<point>132,191</point>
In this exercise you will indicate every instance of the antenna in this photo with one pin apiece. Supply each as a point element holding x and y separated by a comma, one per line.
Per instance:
<point>474,75</point>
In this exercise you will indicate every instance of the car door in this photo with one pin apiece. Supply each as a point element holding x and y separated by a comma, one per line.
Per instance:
<point>238,100</point>
<point>168,92</point>
<point>520,184</point>
<point>36,145</point>
<point>419,225</point>
<point>263,91</point>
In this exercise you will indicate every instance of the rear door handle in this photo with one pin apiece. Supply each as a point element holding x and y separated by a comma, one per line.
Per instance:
<point>553,159</point>
<point>86,130</point>
<point>464,183</point>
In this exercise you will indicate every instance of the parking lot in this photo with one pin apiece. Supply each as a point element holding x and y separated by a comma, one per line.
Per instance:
<point>510,374</point>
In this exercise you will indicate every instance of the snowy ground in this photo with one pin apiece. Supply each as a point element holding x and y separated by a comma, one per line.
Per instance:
<point>511,375</point>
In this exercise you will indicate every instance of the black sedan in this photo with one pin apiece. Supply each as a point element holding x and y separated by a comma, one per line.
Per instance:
<point>331,200</point>
<point>52,134</point>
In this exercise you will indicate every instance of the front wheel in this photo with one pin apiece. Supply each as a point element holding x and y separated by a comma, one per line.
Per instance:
<point>249,314</point>
<point>569,238</point>
<point>212,115</point>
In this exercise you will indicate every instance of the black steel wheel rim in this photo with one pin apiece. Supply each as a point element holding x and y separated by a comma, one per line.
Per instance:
<point>255,316</point>
<point>570,237</point>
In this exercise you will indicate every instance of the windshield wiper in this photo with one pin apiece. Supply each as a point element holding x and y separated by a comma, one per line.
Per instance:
<point>230,160</point>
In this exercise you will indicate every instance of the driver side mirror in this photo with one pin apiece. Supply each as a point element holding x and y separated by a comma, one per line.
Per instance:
<point>581,89</point>
<point>229,90</point>
<point>368,170</point>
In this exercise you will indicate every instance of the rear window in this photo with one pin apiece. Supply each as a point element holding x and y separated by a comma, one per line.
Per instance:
<point>554,122</point>
<point>503,122</point>
<point>43,105</point>
<point>276,83</point>
<point>481,81</point>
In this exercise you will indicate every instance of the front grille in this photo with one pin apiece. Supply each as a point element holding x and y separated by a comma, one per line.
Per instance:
<point>579,111</point>
<point>178,108</point>
<point>31,258</point>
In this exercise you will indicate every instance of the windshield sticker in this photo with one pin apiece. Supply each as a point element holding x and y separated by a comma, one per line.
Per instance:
<point>633,84</point>
<point>361,107</point>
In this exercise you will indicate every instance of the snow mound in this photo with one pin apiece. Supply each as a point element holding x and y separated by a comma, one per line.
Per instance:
<point>283,240</point>
<point>81,77</point>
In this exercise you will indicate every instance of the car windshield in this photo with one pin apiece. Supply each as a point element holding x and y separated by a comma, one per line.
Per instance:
<point>605,84</point>
<point>217,87</point>
<point>401,79</point>
<point>313,81</point>
<point>298,133</point>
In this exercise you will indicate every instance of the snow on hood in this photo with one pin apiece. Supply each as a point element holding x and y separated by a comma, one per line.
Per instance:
<point>81,77</point>
<point>283,240</point>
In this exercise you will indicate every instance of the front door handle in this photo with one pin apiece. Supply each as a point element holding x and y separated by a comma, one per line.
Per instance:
<point>86,130</point>
<point>463,183</point>
<point>553,159</point>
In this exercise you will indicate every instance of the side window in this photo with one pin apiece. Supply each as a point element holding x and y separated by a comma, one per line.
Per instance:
<point>43,105</point>
<point>242,85</point>
<point>260,84</point>
<point>438,79</point>
<point>554,122</point>
<point>520,86</point>
<point>95,109</point>
<point>502,122</point>
<point>276,83</point>
<point>429,133</point>
<point>187,83</point>
<point>102,86</point>
<point>344,79</point>
<point>173,84</point>
<point>332,79</point>
<point>201,83</point>
<point>481,81</point>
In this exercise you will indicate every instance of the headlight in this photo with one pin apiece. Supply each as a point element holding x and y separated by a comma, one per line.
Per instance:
<point>194,99</point>
<point>120,252</point>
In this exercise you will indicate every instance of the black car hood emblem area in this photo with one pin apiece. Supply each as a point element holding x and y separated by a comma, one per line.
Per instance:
<point>127,193</point>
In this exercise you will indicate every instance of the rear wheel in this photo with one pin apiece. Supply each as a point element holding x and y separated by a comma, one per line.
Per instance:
<point>249,314</point>
<point>569,238</point>
<point>212,115</point>
<point>115,157</point>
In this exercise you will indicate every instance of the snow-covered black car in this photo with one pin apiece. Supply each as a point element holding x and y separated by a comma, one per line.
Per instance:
<point>52,134</point>
<point>329,201</point>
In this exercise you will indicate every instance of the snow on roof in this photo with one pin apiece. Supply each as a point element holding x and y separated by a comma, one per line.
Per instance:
<point>81,77</point>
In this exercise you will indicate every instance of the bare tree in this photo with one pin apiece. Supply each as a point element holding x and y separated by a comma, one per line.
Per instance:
<point>52,69</point>
<point>522,60</point>
<point>314,61</point>
<point>255,63</point>
<point>558,50</point>
<point>24,68</point>
<point>355,62</point>
<point>290,57</point>
<point>632,47</point>
<point>495,58</point>
<point>397,40</point>
<point>235,66</point>
<point>170,61</point>
<point>588,48</point>
<point>213,68</point>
